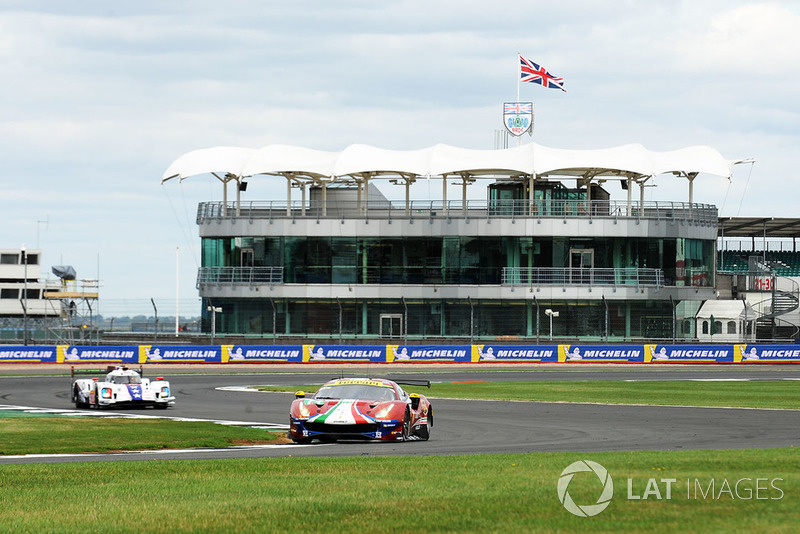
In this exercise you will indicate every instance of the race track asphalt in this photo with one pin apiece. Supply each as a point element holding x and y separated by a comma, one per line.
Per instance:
<point>461,426</point>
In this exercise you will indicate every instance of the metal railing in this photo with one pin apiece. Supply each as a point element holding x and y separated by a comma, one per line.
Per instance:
<point>239,276</point>
<point>452,209</point>
<point>527,276</point>
<point>571,276</point>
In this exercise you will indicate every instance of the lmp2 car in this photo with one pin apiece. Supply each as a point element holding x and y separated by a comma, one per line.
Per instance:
<point>120,387</point>
<point>361,408</point>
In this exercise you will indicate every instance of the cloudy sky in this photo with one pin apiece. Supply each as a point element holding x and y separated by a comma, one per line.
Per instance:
<point>98,98</point>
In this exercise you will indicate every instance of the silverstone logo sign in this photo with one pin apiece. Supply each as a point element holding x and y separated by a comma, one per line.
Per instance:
<point>585,510</point>
<point>518,117</point>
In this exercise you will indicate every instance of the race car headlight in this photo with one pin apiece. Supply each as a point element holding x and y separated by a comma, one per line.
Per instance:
<point>165,391</point>
<point>106,393</point>
<point>383,412</point>
<point>303,409</point>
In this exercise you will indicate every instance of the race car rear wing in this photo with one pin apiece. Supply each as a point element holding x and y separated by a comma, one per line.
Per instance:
<point>412,382</point>
<point>108,369</point>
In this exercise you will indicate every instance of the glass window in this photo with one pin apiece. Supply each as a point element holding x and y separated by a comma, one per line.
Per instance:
<point>9,293</point>
<point>9,259</point>
<point>731,327</point>
<point>343,260</point>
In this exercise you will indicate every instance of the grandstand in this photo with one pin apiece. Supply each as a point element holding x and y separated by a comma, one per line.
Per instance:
<point>758,260</point>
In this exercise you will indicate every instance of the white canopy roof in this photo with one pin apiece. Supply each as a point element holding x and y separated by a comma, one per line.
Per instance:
<point>726,309</point>
<point>631,161</point>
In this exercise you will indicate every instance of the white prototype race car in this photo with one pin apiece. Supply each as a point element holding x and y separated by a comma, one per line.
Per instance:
<point>120,387</point>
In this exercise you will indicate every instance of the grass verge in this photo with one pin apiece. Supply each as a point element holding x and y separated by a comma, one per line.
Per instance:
<point>782,394</point>
<point>63,435</point>
<point>484,493</point>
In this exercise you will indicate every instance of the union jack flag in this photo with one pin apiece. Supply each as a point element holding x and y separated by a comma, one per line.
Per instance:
<point>518,107</point>
<point>531,72</point>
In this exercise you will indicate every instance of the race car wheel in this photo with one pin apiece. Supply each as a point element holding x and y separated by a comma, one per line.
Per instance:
<point>76,398</point>
<point>96,399</point>
<point>424,431</point>
<point>407,426</point>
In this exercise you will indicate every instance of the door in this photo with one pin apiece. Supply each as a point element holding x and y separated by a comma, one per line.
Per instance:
<point>391,325</point>
<point>581,263</point>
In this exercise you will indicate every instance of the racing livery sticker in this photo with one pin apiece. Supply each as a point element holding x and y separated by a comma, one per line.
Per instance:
<point>106,354</point>
<point>515,353</point>
<point>688,353</point>
<point>262,353</point>
<point>344,353</point>
<point>180,354</point>
<point>766,354</point>
<point>428,353</point>
<point>28,354</point>
<point>600,353</point>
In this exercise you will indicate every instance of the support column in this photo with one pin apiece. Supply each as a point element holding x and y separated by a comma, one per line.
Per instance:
<point>408,198</point>
<point>630,184</point>
<point>238,197</point>
<point>324,199</point>
<point>531,199</point>
<point>288,196</point>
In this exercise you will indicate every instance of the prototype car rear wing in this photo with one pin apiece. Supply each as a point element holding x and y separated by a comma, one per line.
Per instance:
<point>108,369</point>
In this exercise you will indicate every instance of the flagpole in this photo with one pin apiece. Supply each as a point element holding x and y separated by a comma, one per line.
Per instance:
<point>519,55</point>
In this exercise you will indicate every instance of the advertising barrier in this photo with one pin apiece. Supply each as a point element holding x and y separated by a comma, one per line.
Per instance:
<point>27,354</point>
<point>429,353</point>
<point>262,353</point>
<point>652,354</point>
<point>515,353</point>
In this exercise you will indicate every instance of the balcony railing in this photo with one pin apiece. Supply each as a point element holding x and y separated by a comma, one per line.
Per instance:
<point>518,276</point>
<point>457,209</point>
<point>555,276</point>
<point>240,276</point>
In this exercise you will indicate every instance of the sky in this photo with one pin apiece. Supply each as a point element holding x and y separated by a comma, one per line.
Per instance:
<point>99,98</point>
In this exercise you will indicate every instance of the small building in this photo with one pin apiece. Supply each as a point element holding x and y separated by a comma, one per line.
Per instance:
<point>726,321</point>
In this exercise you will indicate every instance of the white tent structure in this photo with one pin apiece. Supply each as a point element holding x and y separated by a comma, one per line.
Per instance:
<point>726,320</point>
<point>360,163</point>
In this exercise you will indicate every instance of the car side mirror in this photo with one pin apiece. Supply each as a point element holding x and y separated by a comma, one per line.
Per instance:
<point>300,395</point>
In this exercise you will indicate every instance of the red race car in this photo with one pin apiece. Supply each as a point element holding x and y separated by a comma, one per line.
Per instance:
<point>361,408</point>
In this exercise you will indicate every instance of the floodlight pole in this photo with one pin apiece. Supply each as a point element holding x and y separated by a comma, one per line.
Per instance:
<point>214,310</point>
<point>25,296</point>
<point>155,335</point>
<point>551,314</point>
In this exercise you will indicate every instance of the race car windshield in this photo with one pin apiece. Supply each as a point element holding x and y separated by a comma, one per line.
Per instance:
<point>356,391</point>
<point>126,380</point>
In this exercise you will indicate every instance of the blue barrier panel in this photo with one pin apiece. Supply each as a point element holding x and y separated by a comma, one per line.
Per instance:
<point>515,353</point>
<point>689,354</point>
<point>344,353</point>
<point>601,353</point>
<point>180,354</point>
<point>429,353</point>
<point>262,353</point>
<point>28,354</point>
<point>767,354</point>
<point>133,354</point>
<point>98,354</point>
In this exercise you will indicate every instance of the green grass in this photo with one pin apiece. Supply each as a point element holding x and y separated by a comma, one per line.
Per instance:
<point>782,394</point>
<point>483,493</point>
<point>58,434</point>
